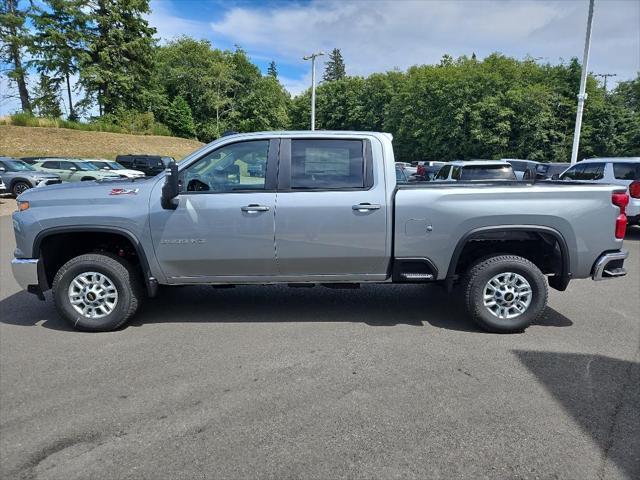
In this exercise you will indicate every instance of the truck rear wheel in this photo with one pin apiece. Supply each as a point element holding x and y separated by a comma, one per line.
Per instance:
<point>505,293</point>
<point>97,292</point>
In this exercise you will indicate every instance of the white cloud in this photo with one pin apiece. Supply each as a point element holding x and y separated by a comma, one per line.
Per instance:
<point>381,35</point>
<point>169,25</point>
<point>296,86</point>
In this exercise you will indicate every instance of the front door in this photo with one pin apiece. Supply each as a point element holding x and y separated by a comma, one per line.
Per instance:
<point>331,218</point>
<point>223,226</point>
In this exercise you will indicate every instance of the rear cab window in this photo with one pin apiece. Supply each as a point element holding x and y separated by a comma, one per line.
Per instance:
<point>626,171</point>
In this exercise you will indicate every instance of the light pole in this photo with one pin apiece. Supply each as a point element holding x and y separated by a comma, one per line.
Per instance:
<point>582,96</point>
<point>312,57</point>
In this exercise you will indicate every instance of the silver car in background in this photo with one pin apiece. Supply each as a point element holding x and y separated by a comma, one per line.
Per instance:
<point>623,171</point>
<point>19,176</point>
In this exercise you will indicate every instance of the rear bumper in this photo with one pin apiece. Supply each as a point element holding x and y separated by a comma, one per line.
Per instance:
<point>610,265</point>
<point>25,271</point>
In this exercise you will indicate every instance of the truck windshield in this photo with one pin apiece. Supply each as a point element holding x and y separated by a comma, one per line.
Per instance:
<point>487,172</point>
<point>16,166</point>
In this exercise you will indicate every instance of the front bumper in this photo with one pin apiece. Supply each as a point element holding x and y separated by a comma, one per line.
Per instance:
<point>610,265</point>
<point>25,271</point>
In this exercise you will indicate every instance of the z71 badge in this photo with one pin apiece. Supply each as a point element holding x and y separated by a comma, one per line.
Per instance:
<point>124,191</point>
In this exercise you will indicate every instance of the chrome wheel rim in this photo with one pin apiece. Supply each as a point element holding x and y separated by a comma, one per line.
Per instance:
<point>507,295</point>
<point>93,295</point>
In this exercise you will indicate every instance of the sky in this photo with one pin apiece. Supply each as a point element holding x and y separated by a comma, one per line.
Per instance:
<point>381,35</point>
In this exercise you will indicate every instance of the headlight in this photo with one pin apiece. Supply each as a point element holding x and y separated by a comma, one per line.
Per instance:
<point>22,205</point>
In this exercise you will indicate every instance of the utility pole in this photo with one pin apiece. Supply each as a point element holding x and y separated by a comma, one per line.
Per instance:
<point>312,57</point>
<point>582,96</point>
<point>605,76</point>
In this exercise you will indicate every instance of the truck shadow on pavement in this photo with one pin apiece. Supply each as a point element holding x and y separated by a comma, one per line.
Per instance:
<point>602,394</point>
<point>374,305</point>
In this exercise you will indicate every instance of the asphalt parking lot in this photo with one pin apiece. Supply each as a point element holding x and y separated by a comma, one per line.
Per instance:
<point>270,382</point>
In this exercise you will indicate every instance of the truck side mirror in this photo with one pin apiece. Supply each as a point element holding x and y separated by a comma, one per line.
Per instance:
<point>2,169</point>
<point>555,176</point>
<point>170,188</point>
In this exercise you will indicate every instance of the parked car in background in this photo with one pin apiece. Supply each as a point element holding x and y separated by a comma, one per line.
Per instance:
<point>546,171</point>
<point>623,171</point>
<point>409,169</point>
<point>115,167</point>
<point>73,170</point>
<point>520,166</point>
<point>19,176</point>
<point>475,170</point>
<point>401,175</point>
<point>151,165</point>
<point>257,169</point>
<point>427,170</point>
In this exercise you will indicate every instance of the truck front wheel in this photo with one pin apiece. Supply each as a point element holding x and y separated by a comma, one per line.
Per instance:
<point>505,293</point>
<point>97,292</point>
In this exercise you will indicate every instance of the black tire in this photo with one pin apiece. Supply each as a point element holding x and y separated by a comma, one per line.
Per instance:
<point>19,187</point>
<point>477,278</point>
<point>123,276</point>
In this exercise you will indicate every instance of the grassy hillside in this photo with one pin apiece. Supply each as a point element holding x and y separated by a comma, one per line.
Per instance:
<point>32,141</point>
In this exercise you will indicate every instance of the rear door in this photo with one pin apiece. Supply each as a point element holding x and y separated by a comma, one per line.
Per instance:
<point>331,220</point>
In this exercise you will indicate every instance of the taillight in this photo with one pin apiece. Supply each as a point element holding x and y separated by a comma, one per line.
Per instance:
<point>620,200</point>
<point>634,189</point>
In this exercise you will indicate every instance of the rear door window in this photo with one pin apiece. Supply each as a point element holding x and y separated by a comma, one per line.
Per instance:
<point>443,173</point>
<point>66,165</point>
<point>327,164</point>
<point>141,162</point>
<point>626,171</point>
<point>593,171</point>
<point>574,173</point>
<point>51,164</point>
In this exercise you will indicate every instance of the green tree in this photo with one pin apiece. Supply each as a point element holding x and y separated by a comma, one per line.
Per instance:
<point>58,43</point>
<point>46,97</point>
<point>14,38</point>
<point>266,107</point>
<point>334,68</point>
<point>179,118</point>
<point>272,71</point>
<point>116,67</point>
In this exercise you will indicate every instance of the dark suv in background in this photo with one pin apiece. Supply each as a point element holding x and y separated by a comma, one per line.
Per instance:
<point>151,165</point>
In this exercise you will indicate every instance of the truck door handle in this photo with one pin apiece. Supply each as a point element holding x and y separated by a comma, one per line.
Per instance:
<point>363,207</point>
<point>253,208</point>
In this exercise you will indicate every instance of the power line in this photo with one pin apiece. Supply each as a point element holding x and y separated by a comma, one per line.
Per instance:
<point>605,76</point>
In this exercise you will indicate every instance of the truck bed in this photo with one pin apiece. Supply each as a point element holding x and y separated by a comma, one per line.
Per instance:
<point>436,216</point>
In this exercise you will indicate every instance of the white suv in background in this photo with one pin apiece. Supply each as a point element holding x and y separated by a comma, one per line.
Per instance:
<point>623,171</point>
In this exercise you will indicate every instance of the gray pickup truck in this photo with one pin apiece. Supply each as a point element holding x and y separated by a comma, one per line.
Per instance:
<point>326,210</point>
